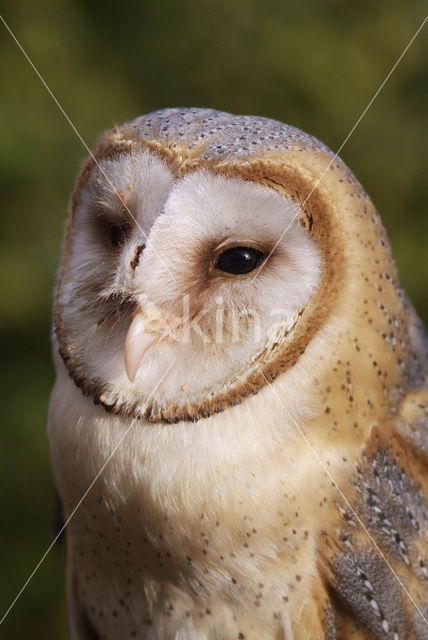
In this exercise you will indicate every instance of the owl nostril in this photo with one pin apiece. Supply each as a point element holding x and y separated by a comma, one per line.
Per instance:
<point>136,258</point>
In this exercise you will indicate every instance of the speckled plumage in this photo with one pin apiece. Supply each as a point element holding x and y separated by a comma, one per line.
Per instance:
<point>214,519</point>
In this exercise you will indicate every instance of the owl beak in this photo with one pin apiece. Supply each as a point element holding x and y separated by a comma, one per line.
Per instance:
<point>139,344</point>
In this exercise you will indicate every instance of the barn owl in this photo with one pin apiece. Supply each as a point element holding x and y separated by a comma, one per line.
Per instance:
<point>238,429</point>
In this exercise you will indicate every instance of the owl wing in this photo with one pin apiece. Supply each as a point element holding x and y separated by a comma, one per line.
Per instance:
<point>377,554</point>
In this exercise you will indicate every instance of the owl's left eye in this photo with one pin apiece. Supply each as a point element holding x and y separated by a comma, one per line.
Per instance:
<point>118,234</point>
<point>239,260</point>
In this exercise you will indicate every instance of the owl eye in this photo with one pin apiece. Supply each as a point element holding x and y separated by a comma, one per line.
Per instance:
<point>239,260</point>
<point>118,234</point>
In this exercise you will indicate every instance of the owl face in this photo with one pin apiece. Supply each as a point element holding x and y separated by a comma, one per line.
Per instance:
<point>172,272</point>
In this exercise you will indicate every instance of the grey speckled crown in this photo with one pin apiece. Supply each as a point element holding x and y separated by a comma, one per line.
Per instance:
<point>225,135</point>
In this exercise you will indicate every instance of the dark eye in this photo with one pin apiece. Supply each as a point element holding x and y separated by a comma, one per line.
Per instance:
<point>118,234</point>
<point>239,260</point>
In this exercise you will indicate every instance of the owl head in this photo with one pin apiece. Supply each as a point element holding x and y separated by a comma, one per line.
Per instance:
<point>207,245</point>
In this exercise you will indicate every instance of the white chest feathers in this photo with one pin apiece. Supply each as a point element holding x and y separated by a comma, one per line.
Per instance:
<point>189,528</point>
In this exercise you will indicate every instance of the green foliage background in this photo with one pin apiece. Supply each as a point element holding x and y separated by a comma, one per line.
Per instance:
<point>314,64</point>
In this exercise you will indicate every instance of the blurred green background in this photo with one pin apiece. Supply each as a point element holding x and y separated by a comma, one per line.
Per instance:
<point>312,64</point>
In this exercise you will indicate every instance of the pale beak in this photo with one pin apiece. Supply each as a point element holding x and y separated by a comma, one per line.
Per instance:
<point>139,344</point>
